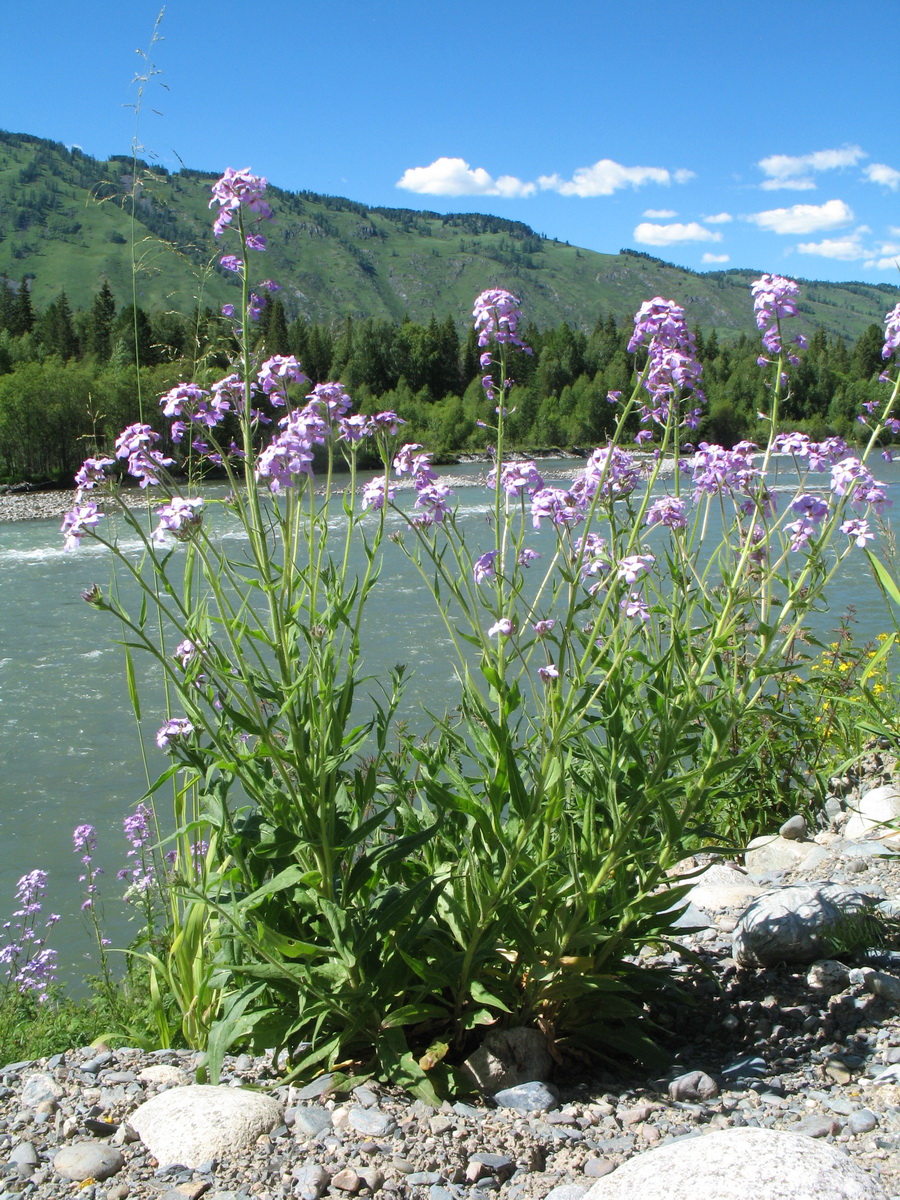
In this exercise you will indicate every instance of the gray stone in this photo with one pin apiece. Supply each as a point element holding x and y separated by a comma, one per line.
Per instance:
<point>817,1125</point>
<point>597,1167</point>
<point>88,1160</point>
<point>24,1155</point>
<point>193,1124</point>
<point>746,1068</point>
<point>733,1164</point>
<point>790,924</point>
<point>164,1075</point>
<point>318,1087</point>
<point>507,1057</point>
<point>346,1180</point>
<point>310,1181</point>
<point>828,975</point>
<point>879,983</point>
<point>769,853</point>
<point>528,1097</point>
<point>38,1088</point>
<point>794,829</point>
<point>567,1191</point>
<point>694,1085</point>
<point>311,1119</point>
<point>371,1122</point>
<point>862,1121</point>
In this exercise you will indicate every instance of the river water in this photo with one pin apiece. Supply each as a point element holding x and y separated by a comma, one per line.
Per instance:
<point>68,744</point>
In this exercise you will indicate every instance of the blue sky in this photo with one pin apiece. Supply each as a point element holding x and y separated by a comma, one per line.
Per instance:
<point>710,134</point>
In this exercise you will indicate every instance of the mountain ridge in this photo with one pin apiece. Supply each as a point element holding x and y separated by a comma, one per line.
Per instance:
<point>69,221</point>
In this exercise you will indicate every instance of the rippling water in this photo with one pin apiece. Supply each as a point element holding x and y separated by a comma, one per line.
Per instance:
<point>68,744</point>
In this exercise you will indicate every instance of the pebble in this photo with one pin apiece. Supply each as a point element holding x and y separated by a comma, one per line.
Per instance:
<point>88,1160</point>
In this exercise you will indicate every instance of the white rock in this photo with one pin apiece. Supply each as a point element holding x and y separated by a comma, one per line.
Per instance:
<point>876,816</point>
<point>828,975</point>
<point>165,1075</point>
<point>508,1057</point>
<point>191,1125</point>
<point>734,1164</point>
<point>775,854</point>
<point>791,923</point>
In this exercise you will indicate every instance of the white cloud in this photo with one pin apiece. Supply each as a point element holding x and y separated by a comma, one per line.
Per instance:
<point>883,174</point>
<point>667,235</point>
<point>454,177</point>
<point>660,214</point>
<point>796,171</point>
<point>682,176</point>
<point>721,218</point>
<point>883,264</point>
<point>715,258</point>
<point>804,218</point>
<point>606,177</point>
<point>846,249</point>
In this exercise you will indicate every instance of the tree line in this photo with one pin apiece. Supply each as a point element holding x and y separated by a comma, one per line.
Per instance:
<point>71,379</point>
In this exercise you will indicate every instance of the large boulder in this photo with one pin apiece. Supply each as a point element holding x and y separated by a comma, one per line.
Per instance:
<point>739,1164</point>
<point>875,816</point>
<point>792,924</point>
<point>191,1125</point>
<point>777,853</point>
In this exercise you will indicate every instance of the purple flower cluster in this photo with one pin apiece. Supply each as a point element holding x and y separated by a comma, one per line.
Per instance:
<point>173,731</point>
<point>180,517</point>
<point>669,511</point>
<point>516,478</point>
<point>496,315</point>
<point>77,522</point>
<point>234,189</point>
<point>276,373</point>
<point>139,871</point>
<point>891,332</point>
<point>672,366</point>
<point>717,470</point>
<point>144,463</point>
<point>30,965</point>
<point>433,499</point>
<point>774,299</point>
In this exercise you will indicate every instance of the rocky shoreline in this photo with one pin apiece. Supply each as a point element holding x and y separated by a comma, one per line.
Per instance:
<point>765,1048</point>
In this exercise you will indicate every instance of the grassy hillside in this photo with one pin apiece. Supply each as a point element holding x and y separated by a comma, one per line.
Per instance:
<point>67,221</point>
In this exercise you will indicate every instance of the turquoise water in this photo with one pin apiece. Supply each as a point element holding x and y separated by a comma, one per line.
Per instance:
<point>68,743</point>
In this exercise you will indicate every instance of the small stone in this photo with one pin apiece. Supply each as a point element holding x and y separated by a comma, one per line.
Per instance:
<point>38,1088</point>
<point>794,829</point>
<point>310,1181</point>
<point>816,1126</point>
<point>371,1121</point>
<point>695,1085</point>
<point>318,1087</point>
<point>879,983</point>
<point>311,1119</point>
<point>596,1167</point>
<point>567,1191</point>
<point>346,1180</point>
<point>862,1121</point>
<point>828,975</point>
<point>24,1154</point>
<point>365,1097</point>
<point>373,1178</point>
<point>528,1097</point>
<point>88,1160</point>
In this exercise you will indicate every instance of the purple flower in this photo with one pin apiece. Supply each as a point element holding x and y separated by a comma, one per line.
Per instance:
<point>331,402</point>
<point>255,306</point>
<point>181,517</point>
<point>133,439</point>
<point>496,316</point>
<point>373,495</point>
<point>230,262</point>
<point>774,299</point>
<point>505,627</point>
<point>610,470</point>
<point>354,429</point>
<point>388,421</point>
<point>186,652</point>
<point>173,730</point>
<point>859,531</point>
<point>182,396</point>
<point>84,837</point>
<point>668,511</point>
<point>891,332</point>
<point>227,310</point>
<point>516,478</point>
<point>255,241</point>
<point>672,365</point>
<point>76,522</point>
<point>548,673</point>
<point>144,465</point>
<point>553,504</point>
<point>234,189</point>
<point>631,568</point>
<point>542,628</point>
<point>483,567</point>
<point>276,373</point>
<point>527,556</point>
<point>635,607</point>
<point>92,473</point>
<point>433,501</point>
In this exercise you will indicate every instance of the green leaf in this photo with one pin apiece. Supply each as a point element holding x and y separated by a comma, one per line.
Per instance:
<point>884,577</point>
<point>481,995</point>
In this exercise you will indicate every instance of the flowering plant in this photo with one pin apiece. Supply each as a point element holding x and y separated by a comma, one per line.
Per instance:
<point>373,897</point>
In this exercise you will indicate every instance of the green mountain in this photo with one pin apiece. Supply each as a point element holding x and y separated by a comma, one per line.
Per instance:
<point>68,221</point>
